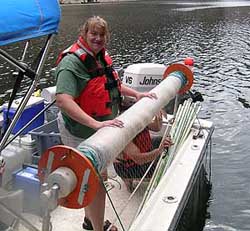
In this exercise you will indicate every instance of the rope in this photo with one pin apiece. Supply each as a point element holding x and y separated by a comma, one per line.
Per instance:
<point>135,190</point>
<point>111,202</point>
<point>210,148</point>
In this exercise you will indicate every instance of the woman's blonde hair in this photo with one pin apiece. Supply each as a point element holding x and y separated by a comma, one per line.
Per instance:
<point>92,22</point>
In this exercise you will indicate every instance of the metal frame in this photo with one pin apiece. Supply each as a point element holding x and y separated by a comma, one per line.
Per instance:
<point>35,75</point>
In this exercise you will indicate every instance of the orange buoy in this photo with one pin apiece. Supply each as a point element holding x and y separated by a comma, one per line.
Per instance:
<point>86,175</point>
<point>185,70</point>
<point>189,61</point>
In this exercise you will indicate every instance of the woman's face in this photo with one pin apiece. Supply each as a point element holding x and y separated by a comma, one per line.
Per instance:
<point>96,39</point>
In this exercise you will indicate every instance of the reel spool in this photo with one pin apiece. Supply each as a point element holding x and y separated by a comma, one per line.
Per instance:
<point>74,173</point>
<point>178,67</point>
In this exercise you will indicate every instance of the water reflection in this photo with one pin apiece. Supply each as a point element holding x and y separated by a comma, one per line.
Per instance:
<point>164,32</point>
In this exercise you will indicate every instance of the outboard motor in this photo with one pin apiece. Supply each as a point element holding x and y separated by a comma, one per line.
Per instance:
<point>143,76</point>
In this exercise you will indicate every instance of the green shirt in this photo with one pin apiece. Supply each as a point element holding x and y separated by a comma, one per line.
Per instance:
<point>72,77</point>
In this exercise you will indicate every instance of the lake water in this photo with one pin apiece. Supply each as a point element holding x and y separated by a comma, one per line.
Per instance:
<point>216,35</point>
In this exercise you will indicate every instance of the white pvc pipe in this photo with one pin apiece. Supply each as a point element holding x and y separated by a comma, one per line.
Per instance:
<point>108,142</point>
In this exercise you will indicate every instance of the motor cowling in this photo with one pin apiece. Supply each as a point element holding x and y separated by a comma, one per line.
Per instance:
<point>143,76</point>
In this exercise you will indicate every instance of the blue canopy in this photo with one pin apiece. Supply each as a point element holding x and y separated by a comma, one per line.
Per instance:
<point>26,19</point>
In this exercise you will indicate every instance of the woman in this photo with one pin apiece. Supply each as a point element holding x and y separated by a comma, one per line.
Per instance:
<point>88,95</point>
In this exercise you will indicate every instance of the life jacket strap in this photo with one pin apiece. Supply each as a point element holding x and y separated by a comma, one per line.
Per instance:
<point>112,84</point>
<point>116,100</point>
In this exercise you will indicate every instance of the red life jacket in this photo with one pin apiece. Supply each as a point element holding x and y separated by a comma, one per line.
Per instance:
<point>143,142</point>
<point>95,97</point>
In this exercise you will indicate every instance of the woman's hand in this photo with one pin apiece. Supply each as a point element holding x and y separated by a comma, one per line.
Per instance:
<point>127,91</point>
<point>150,95</point>
<point>158,117</point>
<point>109,123</point>
<point>156,123</point>
<point>166,143</point>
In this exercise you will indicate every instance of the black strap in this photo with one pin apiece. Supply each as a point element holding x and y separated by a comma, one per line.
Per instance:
<point>108,71</point>
<point>112,84</point>
<point>96,73</point>
<point>115,101</point>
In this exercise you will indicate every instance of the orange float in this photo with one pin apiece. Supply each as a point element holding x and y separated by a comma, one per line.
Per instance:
<point>189,61</point>
<point>87,184</point>
<point>185,70</point>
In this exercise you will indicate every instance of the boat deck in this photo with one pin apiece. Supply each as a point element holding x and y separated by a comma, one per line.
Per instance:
<point>71,219</point>
<point>188,160</point>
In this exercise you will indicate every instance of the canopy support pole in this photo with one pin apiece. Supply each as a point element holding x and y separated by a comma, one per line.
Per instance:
<point>24,101</point>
